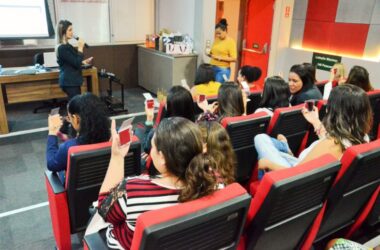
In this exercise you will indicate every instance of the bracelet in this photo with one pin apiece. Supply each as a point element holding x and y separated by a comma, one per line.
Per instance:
<point>318,129</point>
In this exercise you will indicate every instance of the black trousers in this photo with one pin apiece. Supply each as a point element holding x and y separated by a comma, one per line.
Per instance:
<point>71,91</point>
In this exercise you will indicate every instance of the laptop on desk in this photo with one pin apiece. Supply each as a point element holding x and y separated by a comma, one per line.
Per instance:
<point>50,60</point>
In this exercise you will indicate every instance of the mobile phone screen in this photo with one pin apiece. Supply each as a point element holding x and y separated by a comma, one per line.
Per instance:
<point>202,98</point>
<point>54,111</point>
<point>150,104</point>
<point>125,136</point>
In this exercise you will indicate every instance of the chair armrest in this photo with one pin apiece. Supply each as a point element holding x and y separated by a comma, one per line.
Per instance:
<point>54,182</point>
<point>94,242</point>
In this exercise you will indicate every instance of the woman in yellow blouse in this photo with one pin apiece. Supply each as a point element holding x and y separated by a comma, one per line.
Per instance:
<point>205,82</point>
<point>223,52</point>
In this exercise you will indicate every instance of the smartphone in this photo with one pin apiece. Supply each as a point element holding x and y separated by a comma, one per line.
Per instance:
<point>202,98</point>
<point>147,96</point>
<point>125,136</point>
<point>225,78</point>
<point>309,104</point>
<point>150,104</point>
<point>54,111</point>
<point>125,131</point>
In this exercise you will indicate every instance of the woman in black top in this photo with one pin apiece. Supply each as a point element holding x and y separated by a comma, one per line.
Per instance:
<point>69,60</point>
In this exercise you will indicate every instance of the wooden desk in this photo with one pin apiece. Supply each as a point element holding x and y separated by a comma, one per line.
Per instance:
<point>42,86</point>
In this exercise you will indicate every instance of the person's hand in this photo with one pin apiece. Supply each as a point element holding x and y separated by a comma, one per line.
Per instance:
<point>311,116</point>
<point>117,149</point>
<point>80,44</point>
<point>203,105</point>
<point>149,113</point>
<point>88,60</point>
<point>54,124</point>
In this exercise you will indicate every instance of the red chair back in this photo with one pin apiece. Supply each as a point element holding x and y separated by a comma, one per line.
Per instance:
<point>242,130</point>
<point>287,202</point>
<point>290,122</point>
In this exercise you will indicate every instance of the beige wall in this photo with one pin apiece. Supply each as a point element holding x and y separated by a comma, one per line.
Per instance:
<point>231,13</point>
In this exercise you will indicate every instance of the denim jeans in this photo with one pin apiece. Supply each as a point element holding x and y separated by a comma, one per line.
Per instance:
<point>274,150</point>
<point>219,72</point>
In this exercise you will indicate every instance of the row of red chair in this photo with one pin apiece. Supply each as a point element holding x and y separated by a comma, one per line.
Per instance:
<point>292,209</point>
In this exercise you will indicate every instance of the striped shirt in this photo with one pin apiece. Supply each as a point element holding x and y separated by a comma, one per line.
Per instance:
<point>122,206</point>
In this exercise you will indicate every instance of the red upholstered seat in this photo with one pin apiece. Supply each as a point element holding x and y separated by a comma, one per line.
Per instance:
<point>242,130</point>
<point>353,195</point>
<point>286,204</point>
<point>290,122</point>
<point>211,222</point>
<point>86,168</point>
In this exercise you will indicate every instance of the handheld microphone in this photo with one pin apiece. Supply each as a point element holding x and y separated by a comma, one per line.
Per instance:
<point>85,44</point>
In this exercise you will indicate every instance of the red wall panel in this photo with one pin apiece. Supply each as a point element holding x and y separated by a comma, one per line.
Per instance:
<point>322,10</point>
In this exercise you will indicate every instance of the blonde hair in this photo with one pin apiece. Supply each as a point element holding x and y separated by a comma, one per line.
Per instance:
<point>219,147</point>
<point>340,70</point>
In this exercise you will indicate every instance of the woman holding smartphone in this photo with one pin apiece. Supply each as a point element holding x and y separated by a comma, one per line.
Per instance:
<point>223,52</point>
<point>336,132</point>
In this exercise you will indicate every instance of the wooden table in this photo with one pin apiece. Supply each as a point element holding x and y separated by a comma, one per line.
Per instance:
<point>41,86</point>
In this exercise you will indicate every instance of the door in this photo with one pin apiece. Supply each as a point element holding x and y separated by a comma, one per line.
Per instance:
<point>257,36</point>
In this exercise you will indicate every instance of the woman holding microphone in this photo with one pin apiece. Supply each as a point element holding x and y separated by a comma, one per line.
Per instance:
<point>69,59</point>
<point>223,52</point>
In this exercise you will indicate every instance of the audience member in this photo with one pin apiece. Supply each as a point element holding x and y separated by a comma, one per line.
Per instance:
<point>276,94</point>
<point>347,122</point>
<point>179,102</point>
<point>249,75</point>
<point>177,152</point>
<point>231,102</point>
<point>337,77</point>
<point>359,76</point>
<point>301,85</point>
<point>205,82</point>
<point>218,144</point>
<point>87,115</point>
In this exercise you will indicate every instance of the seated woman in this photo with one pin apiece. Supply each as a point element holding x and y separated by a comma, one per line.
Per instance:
<point>217,143</point>
<point>87,115</point>
<point>179,102</point>
<point>337,132</point>
<point>177,152</point>
<point>231,102</point>
<point>205,82</point>
<point>301,85</point>
<point>248,74</point>
<point>275,95</point>
<point>337,77</point>
<point>359,76</point>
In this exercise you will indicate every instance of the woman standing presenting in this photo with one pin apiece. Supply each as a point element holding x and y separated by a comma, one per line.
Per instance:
<point>223,52</point>
<point>69,60</point>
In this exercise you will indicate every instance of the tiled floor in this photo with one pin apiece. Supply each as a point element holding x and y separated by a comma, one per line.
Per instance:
<point>22,184</point>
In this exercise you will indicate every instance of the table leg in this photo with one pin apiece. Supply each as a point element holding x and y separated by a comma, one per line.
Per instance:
<point>3,116</point>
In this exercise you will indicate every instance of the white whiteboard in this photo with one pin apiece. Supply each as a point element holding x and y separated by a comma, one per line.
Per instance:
<point>105,21</point>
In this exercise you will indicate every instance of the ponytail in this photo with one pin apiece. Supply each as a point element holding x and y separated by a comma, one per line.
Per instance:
<point>200,178</point>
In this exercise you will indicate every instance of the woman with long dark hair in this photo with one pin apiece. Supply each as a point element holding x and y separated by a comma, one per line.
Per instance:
<point>359,76</point>
<point>88,117</point>
<point>347,122</point>
<point>275,95</point>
